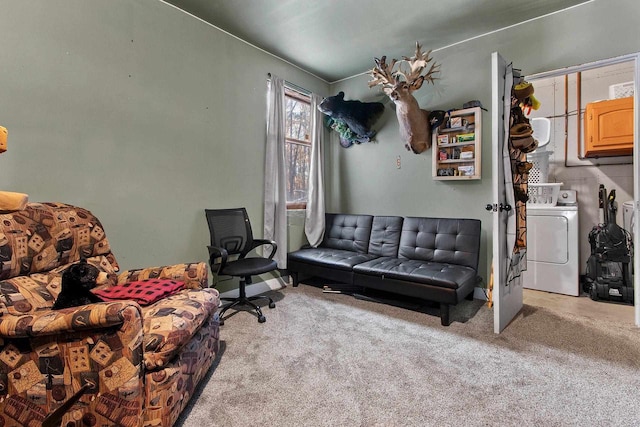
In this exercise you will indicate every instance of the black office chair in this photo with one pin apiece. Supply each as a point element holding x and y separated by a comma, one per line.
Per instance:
<point>231,235</point>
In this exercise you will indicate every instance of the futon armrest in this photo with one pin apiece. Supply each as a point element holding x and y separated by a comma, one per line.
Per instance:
<point>68,320</point>
<point>261,242</point>
<point>194,275</point>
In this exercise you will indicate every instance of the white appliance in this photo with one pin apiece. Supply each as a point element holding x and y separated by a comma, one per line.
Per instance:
<point>552,247</point>
<point>629,222</point>
<point>628,218</point>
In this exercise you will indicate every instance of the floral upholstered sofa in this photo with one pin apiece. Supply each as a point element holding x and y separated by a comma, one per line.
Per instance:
<point>131,365</point>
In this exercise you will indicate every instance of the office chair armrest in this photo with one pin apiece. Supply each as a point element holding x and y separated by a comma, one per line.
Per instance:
<point>261,242</point>
<point>215,252</point>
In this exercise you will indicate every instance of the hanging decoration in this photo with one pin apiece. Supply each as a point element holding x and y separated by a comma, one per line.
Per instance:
<point>399,84</point>
<point>521,142</point>
<point>351,119</point>
<point>523,92</point>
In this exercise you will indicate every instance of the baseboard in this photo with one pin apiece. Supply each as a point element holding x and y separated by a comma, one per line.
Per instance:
<point>259,288</point>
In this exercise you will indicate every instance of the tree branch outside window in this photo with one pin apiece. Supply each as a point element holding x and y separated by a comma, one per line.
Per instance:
<point>297,148</point>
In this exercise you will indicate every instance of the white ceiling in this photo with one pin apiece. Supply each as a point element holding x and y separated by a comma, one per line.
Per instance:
<point>336,39</point>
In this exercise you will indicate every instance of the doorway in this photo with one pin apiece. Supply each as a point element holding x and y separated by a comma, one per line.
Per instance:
<point>581,306</point>
<point>564,95</point>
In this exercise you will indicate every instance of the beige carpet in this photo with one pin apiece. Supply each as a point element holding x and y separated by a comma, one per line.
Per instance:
<point>334,360</point>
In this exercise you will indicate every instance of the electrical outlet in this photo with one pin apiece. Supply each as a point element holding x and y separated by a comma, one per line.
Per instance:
<point>398,162</point>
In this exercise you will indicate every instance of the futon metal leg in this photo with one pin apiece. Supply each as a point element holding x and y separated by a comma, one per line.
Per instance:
<point>444,314</point>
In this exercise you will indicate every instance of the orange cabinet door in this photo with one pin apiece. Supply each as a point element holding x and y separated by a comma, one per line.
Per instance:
<point>608,128</point>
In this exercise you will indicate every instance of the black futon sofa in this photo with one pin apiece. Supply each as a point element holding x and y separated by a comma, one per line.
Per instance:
<point>433,259</point>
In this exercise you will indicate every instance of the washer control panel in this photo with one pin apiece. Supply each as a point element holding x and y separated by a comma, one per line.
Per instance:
<point>568,197</point>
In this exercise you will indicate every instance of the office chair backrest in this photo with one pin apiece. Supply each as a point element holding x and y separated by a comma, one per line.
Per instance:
<point>230,229</point>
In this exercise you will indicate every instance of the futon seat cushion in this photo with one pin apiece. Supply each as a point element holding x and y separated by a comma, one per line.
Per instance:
<point>432,273</point>
<point>335,258</point>
<point>170,323</point>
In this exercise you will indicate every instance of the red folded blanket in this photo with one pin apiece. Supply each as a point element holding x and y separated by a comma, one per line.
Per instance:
<point>144,292</point>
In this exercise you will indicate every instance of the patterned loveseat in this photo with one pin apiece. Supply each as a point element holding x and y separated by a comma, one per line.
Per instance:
<point>139,365</point>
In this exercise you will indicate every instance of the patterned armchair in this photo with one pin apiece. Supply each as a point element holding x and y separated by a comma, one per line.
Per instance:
<point>137,365</point>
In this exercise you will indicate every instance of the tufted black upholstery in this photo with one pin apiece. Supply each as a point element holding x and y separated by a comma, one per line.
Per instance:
<point>430,273</point>
<point>428,258</point>
<point>347,232</point>
<point>443,240</point>
<point>385,235</point>
<point>338,258</point>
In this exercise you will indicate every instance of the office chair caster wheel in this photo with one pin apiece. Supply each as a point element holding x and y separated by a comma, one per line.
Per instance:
<point>262,319</point>
<point>272,304</point>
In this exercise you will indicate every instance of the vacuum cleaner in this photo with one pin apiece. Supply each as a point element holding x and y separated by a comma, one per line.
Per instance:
<point>608,275</point>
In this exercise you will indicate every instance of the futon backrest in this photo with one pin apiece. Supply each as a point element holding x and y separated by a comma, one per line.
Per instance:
<point>347,232</point>
<point>385,235</point>
<point>445,240</point>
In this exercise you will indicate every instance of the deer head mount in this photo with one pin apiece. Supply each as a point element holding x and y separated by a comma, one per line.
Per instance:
<point>399,84</point>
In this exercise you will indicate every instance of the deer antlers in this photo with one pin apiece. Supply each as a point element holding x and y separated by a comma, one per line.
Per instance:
<point>399,85</point>
<point>417,64</point>
<point>383,73</point>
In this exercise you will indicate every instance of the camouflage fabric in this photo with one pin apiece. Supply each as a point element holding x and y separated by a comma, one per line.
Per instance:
<point>46,362</point>
<point>193,275</point>
<point>38,291</point>
<point>47,235</point>
<point>170,324</point>
<point>168,390</point>
<point>141,364</point>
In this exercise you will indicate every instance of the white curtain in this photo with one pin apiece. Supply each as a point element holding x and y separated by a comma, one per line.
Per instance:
<point>314,215</point>
<point>275,201</point>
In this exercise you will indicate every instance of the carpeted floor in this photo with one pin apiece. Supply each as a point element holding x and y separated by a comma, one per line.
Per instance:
<point>334,360</point>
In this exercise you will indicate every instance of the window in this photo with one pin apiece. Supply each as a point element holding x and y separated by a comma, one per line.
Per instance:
<point>297,148</point>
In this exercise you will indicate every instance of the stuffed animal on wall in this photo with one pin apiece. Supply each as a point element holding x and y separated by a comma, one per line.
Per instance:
<point>399,83</point>
<point>355,115</point>
<point>77,282</point>
<point>346,136</point>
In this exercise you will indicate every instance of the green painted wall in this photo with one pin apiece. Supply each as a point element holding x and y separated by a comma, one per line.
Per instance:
<point>146,116</point>
<point>139,112</point>
<point>365,178</point>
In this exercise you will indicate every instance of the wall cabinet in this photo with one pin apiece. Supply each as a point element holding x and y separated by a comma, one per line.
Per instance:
<point>456,146</point>
<point>608,128</point>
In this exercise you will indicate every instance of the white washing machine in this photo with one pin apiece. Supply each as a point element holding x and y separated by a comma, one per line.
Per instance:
<point>628,218</point>
<point>552,247</point>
